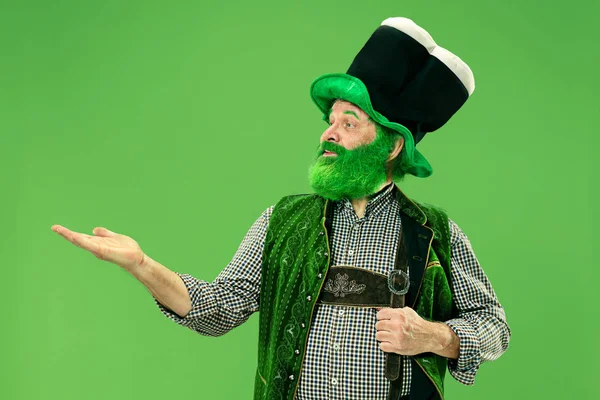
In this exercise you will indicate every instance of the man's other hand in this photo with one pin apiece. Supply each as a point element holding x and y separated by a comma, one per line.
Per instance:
<point>403,331</point>
<point>106,245</point>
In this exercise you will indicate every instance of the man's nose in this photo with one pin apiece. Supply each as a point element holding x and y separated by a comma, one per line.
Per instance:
<point>330,134</point>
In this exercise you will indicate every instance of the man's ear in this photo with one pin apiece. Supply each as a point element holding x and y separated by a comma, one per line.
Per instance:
<point>397,148</point>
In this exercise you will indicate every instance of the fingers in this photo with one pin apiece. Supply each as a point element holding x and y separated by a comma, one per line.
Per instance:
<point>61,230</point>
<point>384,313</point>
<point>384,336</point>
<point>78,239</point>
<point>386,347</point>
<point>100,231</point>
<point>391,313</point>
<point>384,325</point>
<point>56,228</point>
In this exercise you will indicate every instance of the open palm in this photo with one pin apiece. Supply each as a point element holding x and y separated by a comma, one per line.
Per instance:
<point>106,245</point>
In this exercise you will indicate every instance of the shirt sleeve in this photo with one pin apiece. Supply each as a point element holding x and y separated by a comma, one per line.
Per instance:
<point>233,296</point>
<point>481,322</point>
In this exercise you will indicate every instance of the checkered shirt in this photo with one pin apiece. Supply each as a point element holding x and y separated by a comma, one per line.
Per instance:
<point>343,360</point>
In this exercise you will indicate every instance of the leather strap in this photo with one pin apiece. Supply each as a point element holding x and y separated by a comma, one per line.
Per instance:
<point>395,362</point>
<point>351,286</point>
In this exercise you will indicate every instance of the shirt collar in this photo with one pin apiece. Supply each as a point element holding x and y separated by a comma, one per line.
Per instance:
<point>377,201</point>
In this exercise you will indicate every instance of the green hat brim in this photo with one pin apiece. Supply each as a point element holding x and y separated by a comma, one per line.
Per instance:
<point>329,87</point>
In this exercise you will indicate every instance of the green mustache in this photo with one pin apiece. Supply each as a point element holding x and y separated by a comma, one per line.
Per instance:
<point>333,147</point>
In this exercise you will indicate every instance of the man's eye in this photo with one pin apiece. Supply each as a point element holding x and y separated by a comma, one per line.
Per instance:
<point>349,125</point>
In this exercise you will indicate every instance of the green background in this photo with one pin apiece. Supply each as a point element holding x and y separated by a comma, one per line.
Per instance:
<point>178,123</point>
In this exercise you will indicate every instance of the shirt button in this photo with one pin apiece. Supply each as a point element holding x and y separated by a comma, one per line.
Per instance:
<point>350,252</point>
<point>341,312</point>
<point>321,233</point>
<point>336,346</point>
<point>291,377</point>
<point>308,298</point>
<point>297,351</point>
<point>326,254</point>
<point>302,325</point>
<point>320,276</point>
<point>334,381</point>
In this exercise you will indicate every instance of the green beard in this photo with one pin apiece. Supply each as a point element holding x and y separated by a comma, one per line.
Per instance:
<point>352,173</point>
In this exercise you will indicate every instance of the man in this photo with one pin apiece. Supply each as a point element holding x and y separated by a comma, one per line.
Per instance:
<point>363,293</point>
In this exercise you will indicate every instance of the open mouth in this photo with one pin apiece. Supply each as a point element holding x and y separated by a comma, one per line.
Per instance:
<point>327,153</point>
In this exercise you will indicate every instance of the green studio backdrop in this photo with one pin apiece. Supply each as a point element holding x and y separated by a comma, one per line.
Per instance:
<point>178,123</point>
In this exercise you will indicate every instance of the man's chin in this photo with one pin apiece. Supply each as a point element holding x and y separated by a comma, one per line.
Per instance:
<point>337,178</point>
<point>324,181</point>
<point>326,160</point>
<point>335,187</point>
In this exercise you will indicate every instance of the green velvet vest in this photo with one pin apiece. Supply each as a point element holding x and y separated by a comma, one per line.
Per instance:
<point>295,261</point>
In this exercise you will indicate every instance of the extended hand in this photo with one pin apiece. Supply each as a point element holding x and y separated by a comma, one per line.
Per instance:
<point>403,331</point>
<point>106,245</point>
